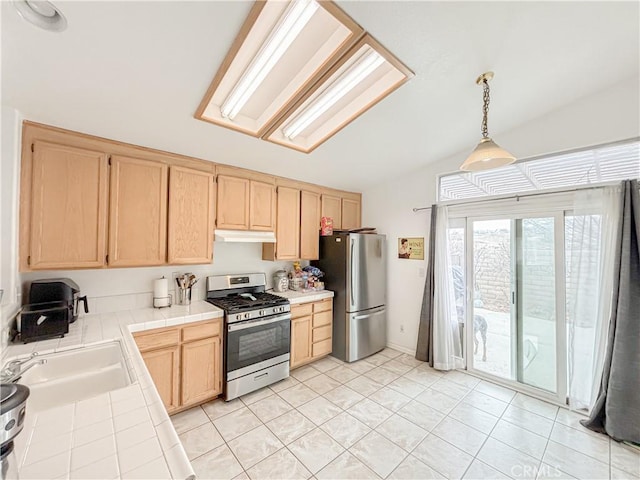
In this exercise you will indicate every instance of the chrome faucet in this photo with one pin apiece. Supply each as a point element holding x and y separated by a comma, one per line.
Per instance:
<point>13,370</point>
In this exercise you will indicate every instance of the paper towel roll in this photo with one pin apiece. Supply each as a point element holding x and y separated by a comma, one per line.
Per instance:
<point>161,292</point>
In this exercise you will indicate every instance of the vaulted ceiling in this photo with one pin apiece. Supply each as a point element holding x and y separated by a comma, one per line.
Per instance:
<point>136,72</point>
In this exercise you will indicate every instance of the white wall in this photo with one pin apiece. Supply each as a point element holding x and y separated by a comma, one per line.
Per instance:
<point>9,170</point>
<point>613,114</point>
<point>125,288</point>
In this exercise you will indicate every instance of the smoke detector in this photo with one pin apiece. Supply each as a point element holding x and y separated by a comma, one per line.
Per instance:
<point>41,13</point>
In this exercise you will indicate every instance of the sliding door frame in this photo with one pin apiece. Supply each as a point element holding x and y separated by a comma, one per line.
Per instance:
<point>557,212</point>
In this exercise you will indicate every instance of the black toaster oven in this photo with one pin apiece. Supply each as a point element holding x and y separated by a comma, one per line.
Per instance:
<point>39,321</point>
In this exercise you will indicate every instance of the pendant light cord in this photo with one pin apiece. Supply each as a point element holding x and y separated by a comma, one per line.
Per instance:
<point>485,108</point>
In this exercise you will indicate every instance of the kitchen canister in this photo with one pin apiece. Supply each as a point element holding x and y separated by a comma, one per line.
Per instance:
<point>280,281</point>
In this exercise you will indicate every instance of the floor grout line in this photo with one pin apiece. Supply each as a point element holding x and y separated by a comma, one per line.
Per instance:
<point>407,453</point>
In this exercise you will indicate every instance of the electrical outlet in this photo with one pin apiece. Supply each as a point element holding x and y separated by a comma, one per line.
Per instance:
<point>401,328</point>
<point>421,272</point>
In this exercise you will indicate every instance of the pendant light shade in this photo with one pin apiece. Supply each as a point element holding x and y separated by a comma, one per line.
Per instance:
<point>487,154</point>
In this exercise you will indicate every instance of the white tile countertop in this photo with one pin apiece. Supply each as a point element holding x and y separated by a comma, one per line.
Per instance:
<point>303,297</point>
<point>124,433</point>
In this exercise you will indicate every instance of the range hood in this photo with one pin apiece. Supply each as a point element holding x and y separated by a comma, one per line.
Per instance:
<point>244,236</point>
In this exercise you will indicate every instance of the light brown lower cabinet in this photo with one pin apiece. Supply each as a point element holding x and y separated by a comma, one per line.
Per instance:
<point>200,364</point>
<point>311,331</point>
<point>300,341</point>
<point>185,363</point>
<point>164,366</point>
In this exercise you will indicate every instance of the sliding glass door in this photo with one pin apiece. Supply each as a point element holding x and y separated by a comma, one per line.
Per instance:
<point>513,331</point>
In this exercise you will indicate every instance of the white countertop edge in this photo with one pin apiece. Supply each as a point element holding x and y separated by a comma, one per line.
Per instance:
<point>118,326</point>
<point>296,297</point>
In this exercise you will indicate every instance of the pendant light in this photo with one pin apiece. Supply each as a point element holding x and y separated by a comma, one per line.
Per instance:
<point>487,153</point>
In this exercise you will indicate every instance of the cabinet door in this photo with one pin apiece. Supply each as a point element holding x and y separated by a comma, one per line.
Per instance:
<point>233,203</point>
<point>288,224</point>
<point>137,212</point>
<point>164,367</point>
<point>309,225</point>
<point>191,216</point>
<point>300,341</point>
<point>332,207</point>
<point>350,214</point>
<point>262,209</point>
<point>201,370</point>
<point>68,222</point>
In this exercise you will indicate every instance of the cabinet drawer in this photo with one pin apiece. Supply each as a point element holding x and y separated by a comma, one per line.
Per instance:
<point>323,305</point>
<point>321,348</point>
<point>321,333</point>
<point>151,341</point>
<point>301,310</point>
<point>322,318</point>
<point>201,330</point>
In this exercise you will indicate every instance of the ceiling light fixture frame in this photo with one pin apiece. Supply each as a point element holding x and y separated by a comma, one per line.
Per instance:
<point>276,133</point>
<point>355,33</point>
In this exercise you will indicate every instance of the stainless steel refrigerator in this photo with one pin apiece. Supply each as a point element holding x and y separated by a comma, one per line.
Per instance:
<point>355,269</point>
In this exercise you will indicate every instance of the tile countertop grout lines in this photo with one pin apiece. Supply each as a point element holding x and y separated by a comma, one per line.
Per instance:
<point>95,329</point>
<point>169,457</point>
<point>539,462</point>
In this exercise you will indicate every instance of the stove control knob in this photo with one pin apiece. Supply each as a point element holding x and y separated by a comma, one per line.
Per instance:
<point>247,316</point>
<point>262,313</point>
<point>239,316</point>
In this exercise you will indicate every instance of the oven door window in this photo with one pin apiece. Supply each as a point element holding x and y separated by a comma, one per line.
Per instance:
<point>256,344</point>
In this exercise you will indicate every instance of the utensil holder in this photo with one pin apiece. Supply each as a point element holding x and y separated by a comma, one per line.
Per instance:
<point>183,296</point>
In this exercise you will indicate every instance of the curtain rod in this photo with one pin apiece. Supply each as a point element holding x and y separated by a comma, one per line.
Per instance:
<point>535,194</point>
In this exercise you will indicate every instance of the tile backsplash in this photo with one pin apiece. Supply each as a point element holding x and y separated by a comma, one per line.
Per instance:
<point>132,301</point>
<point>115,289</point>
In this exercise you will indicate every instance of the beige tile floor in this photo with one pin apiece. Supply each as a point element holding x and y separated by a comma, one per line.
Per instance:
<point>390,416</point>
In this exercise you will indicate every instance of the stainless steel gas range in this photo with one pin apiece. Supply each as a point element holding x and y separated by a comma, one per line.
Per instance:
<point>257,332</point>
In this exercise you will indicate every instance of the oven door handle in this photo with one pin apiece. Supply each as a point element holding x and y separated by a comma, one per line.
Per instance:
<point>256,323</point>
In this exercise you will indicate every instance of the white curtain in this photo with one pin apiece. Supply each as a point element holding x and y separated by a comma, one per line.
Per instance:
<point>446,338</point>
<point>590,240</point>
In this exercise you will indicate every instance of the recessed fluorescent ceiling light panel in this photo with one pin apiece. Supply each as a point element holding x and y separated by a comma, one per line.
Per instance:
<point>281,50</point>
<point>359,80</point>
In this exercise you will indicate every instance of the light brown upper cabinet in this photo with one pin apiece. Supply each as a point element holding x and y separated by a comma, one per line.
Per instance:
<point>137,212</point>
<point>262,206</point>
<point>350,214</point>
<point>65,206</point>
<point>233,203</point>
<point>332,207</point>
<point>151,207</point>
<point>287,246</point>
<point>191,216</point>
<point>246,204</point>
<point>309,225</point>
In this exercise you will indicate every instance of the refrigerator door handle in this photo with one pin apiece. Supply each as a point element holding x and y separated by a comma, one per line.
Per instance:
<point>371,312</point>
<point>352,274</point>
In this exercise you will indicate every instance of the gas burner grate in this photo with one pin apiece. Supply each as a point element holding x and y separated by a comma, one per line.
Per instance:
<point>241,302</point>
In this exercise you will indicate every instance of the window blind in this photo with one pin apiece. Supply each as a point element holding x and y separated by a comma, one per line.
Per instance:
<point>594,165</point>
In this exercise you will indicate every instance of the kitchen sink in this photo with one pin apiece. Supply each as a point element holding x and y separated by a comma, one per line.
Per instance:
<point>74,375</point>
